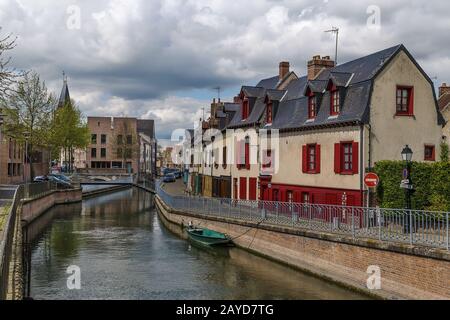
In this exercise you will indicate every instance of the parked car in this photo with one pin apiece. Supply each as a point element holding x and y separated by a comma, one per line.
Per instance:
<point>61,177</point>
<point>40,179</point>
<point>170,177</point>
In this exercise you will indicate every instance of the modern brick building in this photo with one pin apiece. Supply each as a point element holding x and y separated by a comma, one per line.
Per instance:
<point>122,145</point>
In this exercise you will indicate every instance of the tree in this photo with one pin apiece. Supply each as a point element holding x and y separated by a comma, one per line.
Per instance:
<point>125,143</point>
<point>8,76</point>
<point>29,112</point>
<point>69,131</point>
<point>444,152</point>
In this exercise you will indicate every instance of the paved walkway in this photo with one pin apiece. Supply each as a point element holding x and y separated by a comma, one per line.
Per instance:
<point>175,188</point>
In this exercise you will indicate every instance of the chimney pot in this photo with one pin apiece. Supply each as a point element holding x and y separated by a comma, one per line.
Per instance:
<point>284,69</point>
<point>317,64</point>
<point>444,88</point>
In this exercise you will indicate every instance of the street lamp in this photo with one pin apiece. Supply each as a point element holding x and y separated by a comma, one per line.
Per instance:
<point>407,184</point>
<point>26,135</point>
<point>407,154</point>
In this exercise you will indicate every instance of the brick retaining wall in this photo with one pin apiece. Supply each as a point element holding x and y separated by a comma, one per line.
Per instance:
<point>405,275</point>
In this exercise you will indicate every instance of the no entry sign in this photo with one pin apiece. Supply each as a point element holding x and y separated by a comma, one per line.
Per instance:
<point>371,180</point>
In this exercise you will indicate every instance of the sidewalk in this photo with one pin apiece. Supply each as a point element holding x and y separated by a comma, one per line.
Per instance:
<point>175,188</point>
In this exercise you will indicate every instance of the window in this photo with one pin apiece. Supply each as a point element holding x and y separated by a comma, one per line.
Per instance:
<point>120,139</point>
<point>346,158</point>
<point>103,152</point>
<point>290,196</point>
<point>311,159</point>
<point>103,138</point>
<point>127,153</point>
<point>94,139</point>
<point>129,139</point>
<point>119,153</point>
<point>404,101</point>
<point>269,113</point>
<point>430,153</point>
<point>312,110</point>
<point>267,160</point>
<point>94,152</point>
<point>245,109</point>
<point>247,153</point>
<point>335,102</point>
<point>224,157</point>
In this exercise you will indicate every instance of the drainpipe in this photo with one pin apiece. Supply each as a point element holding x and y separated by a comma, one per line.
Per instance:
<point>361,161</point>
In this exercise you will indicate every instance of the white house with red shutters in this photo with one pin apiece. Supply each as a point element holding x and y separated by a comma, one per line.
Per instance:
<point>338,121</point>
<point>327,129</point>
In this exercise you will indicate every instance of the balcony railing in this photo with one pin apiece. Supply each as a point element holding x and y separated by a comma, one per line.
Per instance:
<point>414,227</point>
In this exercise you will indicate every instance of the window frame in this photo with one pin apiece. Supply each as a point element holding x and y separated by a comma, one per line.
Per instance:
<point>269,113</point>
<point>245,109</point>
<point>335,100</point>
<point>432,157</point>
<point>343,154</point>
<point>410,101</point>
<point>312,107</point>
<point>311,163</point>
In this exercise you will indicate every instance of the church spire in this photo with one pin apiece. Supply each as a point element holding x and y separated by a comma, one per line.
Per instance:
<point>64,97</point>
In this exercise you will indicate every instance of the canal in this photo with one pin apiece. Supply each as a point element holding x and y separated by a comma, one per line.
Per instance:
<point>124,251</point>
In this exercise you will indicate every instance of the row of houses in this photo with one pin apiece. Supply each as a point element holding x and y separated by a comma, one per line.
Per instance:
<point>312,138</point>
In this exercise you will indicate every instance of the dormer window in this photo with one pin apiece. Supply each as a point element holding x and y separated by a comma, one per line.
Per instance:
<point>335,107</point>
<point>312,107</point>
<point>245,109</point>
<point>269,113</point>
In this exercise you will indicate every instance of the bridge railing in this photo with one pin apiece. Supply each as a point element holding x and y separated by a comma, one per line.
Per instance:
<point>414,227</point>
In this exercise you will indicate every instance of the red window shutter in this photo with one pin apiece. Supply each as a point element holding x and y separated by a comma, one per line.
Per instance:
<point>411,102</point>
<point>304,159</point>
<point>317,158</point>
<point>355,159</point>
<point>337,158</point>
<point>247,156</point>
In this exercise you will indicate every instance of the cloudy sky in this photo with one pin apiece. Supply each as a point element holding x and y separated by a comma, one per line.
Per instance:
<point>162,59</point>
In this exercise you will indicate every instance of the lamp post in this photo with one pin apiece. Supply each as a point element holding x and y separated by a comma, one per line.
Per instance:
<point>26,135</point>
<point>407,155</point>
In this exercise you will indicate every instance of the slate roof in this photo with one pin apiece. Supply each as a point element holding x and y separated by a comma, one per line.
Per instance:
<point>354,79</point>
<point>269,83</point>
<point>253,92</point>
<point>275,95</point>
<point>64,97</point>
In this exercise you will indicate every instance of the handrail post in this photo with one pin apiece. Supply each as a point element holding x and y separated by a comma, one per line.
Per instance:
<point>410,228</point>
<point>353,222</point>
<point>447,232</point>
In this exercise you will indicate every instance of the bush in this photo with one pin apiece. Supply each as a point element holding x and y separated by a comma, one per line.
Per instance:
<point>431,183</point>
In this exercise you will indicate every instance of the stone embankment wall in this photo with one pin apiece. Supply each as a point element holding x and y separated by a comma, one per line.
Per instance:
<point>406,272</point>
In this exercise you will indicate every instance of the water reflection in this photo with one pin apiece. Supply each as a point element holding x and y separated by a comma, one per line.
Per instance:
<point>125,251</point>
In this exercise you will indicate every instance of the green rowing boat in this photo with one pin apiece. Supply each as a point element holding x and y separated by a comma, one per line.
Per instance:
<point>208,237</point>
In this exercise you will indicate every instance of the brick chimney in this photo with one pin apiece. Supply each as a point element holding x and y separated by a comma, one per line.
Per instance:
<point>317,64</point>
<point>444,88</point>
<point>284,69</point>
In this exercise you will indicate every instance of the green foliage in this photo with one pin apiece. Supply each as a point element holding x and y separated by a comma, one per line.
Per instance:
<point>444,152</point>
<point>68,129</point>
<point>28,111</point>
<point>431,182</point>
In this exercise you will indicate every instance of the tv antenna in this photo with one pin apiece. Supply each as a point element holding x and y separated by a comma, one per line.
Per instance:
<point>219,89</point>
<point>335,30</point>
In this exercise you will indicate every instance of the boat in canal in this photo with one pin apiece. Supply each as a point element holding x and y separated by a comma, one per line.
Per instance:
<point>208,237</point>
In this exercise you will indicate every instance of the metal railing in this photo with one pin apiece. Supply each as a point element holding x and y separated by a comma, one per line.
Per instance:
<point>6,244</point>
<point>23,192</point>
<point>414,227</point>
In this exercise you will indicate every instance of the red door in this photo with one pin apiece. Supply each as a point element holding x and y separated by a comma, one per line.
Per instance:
<point>243,189</point>
<point>252,189</point>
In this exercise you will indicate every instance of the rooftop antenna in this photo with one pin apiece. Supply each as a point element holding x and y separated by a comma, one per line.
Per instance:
<point>64,76</point>
<point>336,32</point>
<point>218,93</point>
